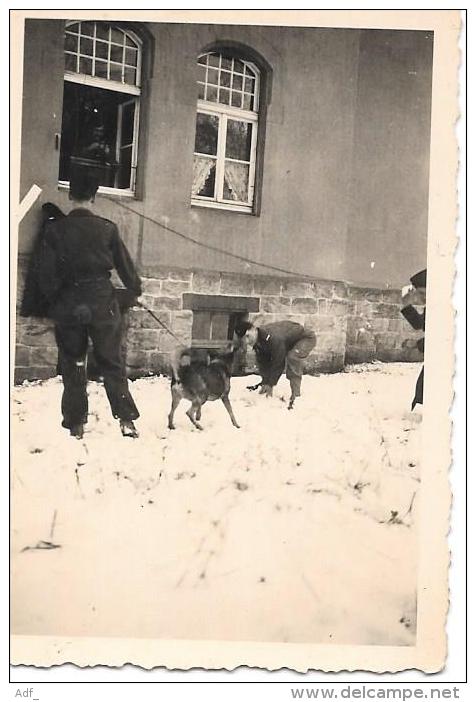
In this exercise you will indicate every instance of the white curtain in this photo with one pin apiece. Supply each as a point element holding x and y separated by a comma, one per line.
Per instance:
<point>236,177</point>
<point>201,171</point>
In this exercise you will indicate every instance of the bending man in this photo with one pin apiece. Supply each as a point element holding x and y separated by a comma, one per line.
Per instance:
<point>277,346</point>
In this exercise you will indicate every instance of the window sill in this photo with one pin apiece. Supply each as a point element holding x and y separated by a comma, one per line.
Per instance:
<point>102,190</point>
<point>241,209</point>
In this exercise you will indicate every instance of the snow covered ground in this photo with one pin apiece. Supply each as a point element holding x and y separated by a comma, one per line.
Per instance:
<point>298,527</point>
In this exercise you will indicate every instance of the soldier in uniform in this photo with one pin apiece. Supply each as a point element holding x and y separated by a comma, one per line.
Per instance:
<point>277,346</point>
<point>415,294</point>
<point>77,256</point>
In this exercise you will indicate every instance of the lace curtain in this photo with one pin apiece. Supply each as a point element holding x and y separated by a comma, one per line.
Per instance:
<point>201,171</point>
<point>236,178</point>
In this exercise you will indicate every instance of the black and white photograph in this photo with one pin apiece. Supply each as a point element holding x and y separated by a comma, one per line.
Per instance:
<point>222,394</point>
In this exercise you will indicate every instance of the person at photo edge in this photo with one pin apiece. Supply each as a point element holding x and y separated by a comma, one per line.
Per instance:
<point>77,256</point>
<point>277,346</point>
<point>415,294</point>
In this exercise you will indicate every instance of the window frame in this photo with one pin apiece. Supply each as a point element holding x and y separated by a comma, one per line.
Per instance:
<point>225,113</point>
<point>135,91</point>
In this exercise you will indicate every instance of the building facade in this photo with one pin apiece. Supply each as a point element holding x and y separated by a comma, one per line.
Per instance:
<point>272,172</point>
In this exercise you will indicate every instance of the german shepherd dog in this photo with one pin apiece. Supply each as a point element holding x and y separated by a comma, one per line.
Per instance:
<point>201,379</point>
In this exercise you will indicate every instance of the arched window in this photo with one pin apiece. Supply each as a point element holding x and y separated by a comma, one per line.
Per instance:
<point>226,131</point>
<point>101,102</point>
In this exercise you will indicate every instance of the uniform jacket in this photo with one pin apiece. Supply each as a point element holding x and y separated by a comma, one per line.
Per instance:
<point>273,343</point>
<point>82,247</point>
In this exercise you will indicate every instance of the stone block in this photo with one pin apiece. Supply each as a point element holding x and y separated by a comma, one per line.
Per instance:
<point>293,288</point>
<point>361,308</point>
<point>393,296</point>
<point>141,319</point>
<point>386,340</point>
<point>304,305</point>
<point>181,325</point>
<point>324,288</point>
<point>358,293</point>
<point>337,308</point>
<point>266,286</point>
<point>39,337</point>
<point>151,286</point>
<point>329,341</point>
<point>384,309</point>
<point>236,284</point>
<point>34,373</point>
<point>22,355</point>
<point>206,282</point>
<point>359,354</point>
<point>44,356</point>
<point>275,304</point>
<point>321,324</point>
<point>174,288</point>
<point>299,318</point>
<point>340,290</point>
<point>145,339</point>
<point>166,303</point>
<point>180,274</point>
<point>398,325</point>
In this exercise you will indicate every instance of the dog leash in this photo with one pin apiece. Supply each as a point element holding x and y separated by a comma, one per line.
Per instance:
<point>159,321</point>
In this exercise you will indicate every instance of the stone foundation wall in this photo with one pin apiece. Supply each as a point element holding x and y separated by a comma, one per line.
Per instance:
<point>353,324</point>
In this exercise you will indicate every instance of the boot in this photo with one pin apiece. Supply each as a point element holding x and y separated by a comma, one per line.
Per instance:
<point>128,429</point>
<point>77,430</point>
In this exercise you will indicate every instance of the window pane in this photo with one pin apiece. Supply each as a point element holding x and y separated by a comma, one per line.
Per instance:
<point>102,49</point>
<point>238,140</point>
<point>70,42</point>
<point>129,41</point>
<point>212,93</point>
<point>86,46</point>
<point>201,325</point>
<point>70,63</point>
<point>206,134</point>
<point>102,30</point>
<point>238,67</point>
<point>86,66</point>
<point>236,181</point>
<point>87,28</point>
<point>123,179</point>
<point>248,101</point>
<point>224,96</point>
<point>219,326</point>
<point>73,28</point>
<point>117,36</point>
<point>249,85</point>
<point>237,82</point>
<point>127,130</point>
<point>213,76</point>
<point>131,57</point>
<point>117,53</point>
<point>203,60</point>
<point>100,69</point>
<point>115,71</point>
<point>225,79</point>
<point>226,63</point>
<point>130,76</point>
<point>236,98</point>
<point>201,91</point>
<point>214,60</point>
<point>203,176</point>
